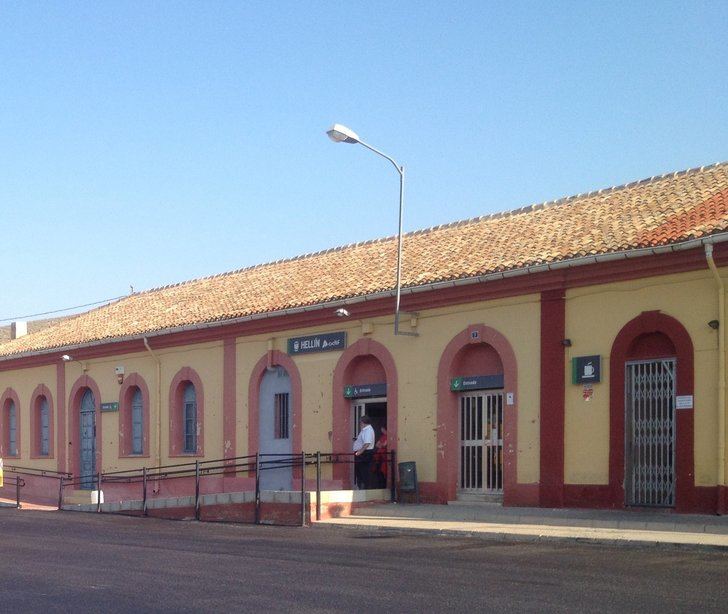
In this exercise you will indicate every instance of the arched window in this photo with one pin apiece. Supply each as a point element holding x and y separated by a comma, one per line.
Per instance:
<point>190,419</point>
<point>12,428</point>
<point>137,422</point>
<point>45,427</point>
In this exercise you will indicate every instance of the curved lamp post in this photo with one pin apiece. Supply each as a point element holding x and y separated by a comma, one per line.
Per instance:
<point>342,134</point>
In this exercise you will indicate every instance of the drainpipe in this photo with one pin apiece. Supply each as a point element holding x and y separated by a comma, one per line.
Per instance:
<point>159,402</point>
<point>721,363</point>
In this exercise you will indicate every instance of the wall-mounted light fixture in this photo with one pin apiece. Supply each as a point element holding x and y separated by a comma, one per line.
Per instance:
<point>341,312</point>
<point>714,324</point>
<point>566,343</point>
<point>68,358</point>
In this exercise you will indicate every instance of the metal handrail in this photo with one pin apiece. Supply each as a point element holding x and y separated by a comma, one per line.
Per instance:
<point>19,483</point>
<point>48,473</point>
<point>257,463</point>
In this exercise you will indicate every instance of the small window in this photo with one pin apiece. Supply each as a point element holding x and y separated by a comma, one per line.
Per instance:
<point>137,422</point>
<point>281,415</point>
<point>12,429</point>
<point>190,419</point>
<point>45,426</point>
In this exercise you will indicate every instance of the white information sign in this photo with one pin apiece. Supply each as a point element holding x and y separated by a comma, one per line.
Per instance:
<point>684,401</point>
<point>509,398</point>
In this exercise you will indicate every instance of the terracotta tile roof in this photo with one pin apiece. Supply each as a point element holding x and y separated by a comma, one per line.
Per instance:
<point>653,212</point>
<point>33,327</point>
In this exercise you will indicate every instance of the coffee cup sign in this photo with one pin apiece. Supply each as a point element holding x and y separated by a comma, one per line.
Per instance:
<point>586,369</point>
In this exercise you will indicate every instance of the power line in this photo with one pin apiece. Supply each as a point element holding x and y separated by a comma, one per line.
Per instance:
<point>47,313</point>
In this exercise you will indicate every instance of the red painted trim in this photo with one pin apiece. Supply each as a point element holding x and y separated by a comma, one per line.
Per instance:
<point>342,417</point>
<point>10,395</point>
<point>597,496</point>
<point>229,392</point>
<point>274,358</point>
<point>645,323</point>
<point>61,461</point>
<point>41,390</point>
<point>553,390</point>
<point>722,500</point>
<point>588,275</point>
<point>447,413</point>
<point>126,396</point>
<point>74,404</point>
<point>176,400</point>
<point>600,496</point>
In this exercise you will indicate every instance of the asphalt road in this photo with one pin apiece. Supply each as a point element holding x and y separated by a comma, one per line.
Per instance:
<point>65,561</point>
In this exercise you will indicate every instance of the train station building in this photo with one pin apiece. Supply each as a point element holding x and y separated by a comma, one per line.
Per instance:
<point>566,354</point>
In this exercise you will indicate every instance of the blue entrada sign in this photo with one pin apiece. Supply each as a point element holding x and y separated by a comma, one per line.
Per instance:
<point>476,382</point>
<point>325,342</point>
<point>364,391</point>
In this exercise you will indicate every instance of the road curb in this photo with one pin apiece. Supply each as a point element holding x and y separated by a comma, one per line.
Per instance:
<point>521,538</point>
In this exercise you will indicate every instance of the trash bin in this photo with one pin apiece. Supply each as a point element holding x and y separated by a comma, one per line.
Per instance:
<point>408,480</point>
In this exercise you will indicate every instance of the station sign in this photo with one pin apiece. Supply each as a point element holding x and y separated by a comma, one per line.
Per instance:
<point>476,382</point>
<point>586,369</point>
<point>110,407</point>
<point>325,342</point>
<point>365,391</point>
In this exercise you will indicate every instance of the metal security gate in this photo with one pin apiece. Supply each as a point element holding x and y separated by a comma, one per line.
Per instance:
<point>481,443</point>
<point>87,451</point>
<point>650,433</point>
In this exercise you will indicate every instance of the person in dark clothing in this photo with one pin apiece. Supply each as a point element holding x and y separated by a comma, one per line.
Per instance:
<point>363,453</point>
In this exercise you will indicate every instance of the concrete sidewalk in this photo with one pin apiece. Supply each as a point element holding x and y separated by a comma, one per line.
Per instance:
<point>490,521</point>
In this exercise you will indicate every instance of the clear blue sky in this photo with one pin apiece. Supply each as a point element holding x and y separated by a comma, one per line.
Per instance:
<point>148,143</point>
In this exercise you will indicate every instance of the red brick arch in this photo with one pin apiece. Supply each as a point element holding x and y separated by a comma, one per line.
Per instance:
<point>9,395</point>
<point>74,406</point>
<point>342,417</point>
<point>275,358</point>
<point>647,323</point>
<point>447,416</point>
<point>41,390</point>
<point>176,393</point>
<point>131,381</point>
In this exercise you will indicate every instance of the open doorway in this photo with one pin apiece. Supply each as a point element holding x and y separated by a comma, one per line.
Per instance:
<point>376,409</point>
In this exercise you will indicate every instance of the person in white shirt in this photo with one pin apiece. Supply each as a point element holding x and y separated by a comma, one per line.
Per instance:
<point>363,453</point>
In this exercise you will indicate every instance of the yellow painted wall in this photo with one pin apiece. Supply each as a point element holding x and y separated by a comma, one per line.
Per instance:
<point>417,360</point>
<point>24,383</point>
<point>206,359</point>
<point>594,317</point>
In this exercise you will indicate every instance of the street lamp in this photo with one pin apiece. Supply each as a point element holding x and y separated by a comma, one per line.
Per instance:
<point>342,134</point>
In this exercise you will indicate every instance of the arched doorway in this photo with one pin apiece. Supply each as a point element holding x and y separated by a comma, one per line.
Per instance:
<point>85,455</point>
<point>87,439</point>
<point>650,421</point>
<point>274,407</point>
<point>477,417</point>
<point>478,384</point>
<point>651,454</point>
<point>365,383</point>
<point>274,424</point>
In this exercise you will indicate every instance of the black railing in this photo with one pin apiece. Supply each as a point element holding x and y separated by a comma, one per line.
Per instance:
<point>18,483</point>
<point>34,473</point>
<point>45,473</point>
<point>256,463</point>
